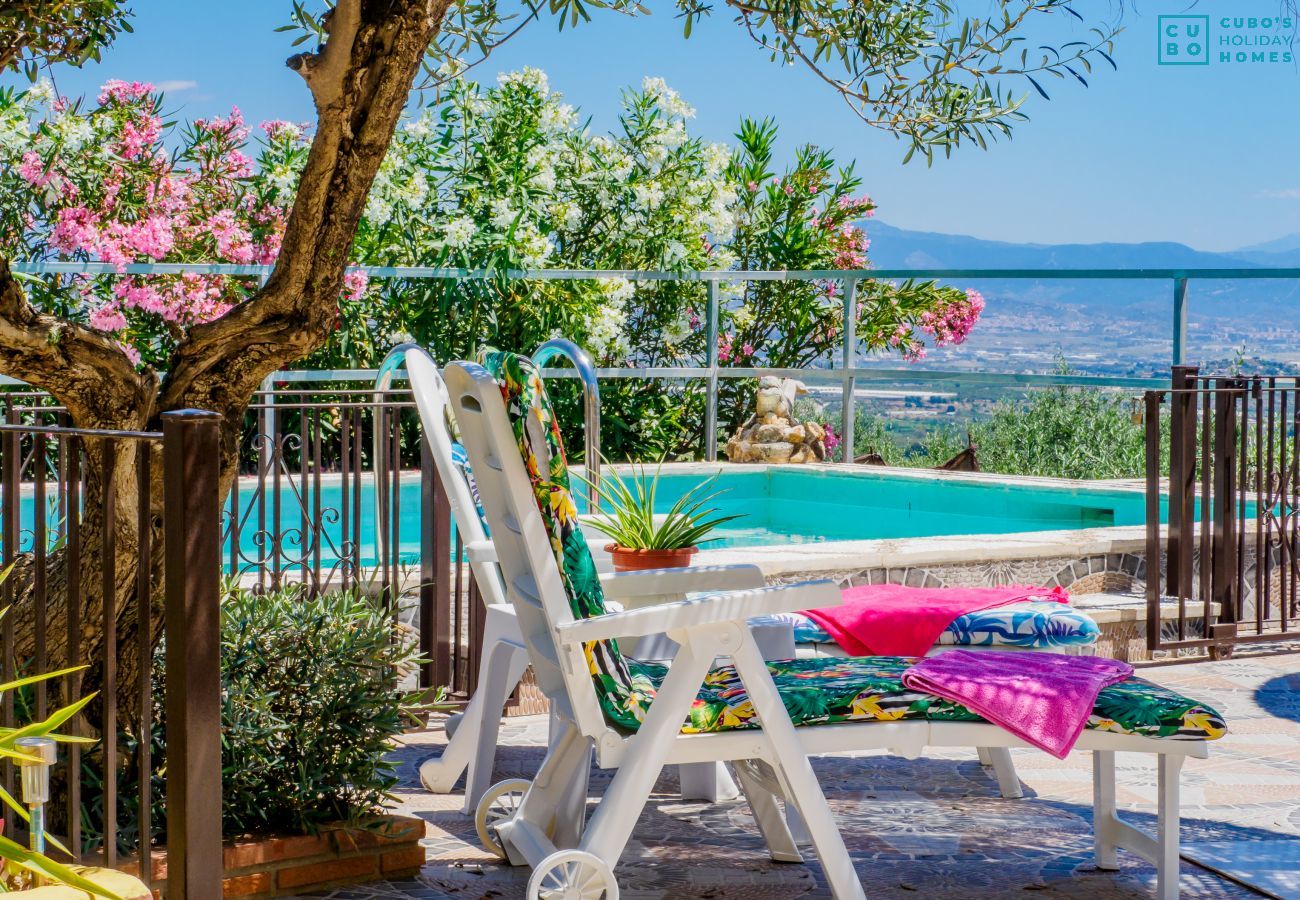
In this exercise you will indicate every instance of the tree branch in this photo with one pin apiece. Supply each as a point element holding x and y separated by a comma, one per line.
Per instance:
<point>361,80</point>
<point>84,370</point>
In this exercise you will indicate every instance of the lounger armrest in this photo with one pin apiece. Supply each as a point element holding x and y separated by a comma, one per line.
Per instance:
<point>696,579</point>
<point>730,606</point>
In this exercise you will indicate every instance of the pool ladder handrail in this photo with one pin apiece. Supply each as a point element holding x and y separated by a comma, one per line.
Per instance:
<point>393,367</point>
<point>563,348</point>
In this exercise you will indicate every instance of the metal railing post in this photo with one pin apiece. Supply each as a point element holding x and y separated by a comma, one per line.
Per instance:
<point>192,548</point>
<point>1182,480</point>
<point>1180,320</point>
<point>711,399</point>
<point>848,407</point>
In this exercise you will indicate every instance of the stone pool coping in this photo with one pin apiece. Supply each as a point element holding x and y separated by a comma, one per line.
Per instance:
<point>968,549</point>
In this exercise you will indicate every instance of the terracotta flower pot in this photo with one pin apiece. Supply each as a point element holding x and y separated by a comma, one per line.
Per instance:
<point>633,560</point>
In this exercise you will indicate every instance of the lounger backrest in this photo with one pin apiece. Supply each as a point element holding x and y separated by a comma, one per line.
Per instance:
<point>508,427</point>
<point>453,467</point>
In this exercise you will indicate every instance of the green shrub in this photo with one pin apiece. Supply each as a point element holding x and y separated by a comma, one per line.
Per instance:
<point>1064,433</point>
<point>1061,432</point>
<point>311,703</point>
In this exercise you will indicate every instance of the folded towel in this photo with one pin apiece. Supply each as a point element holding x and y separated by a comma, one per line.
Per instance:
<point>1043,698</point>
<point>893,620</point>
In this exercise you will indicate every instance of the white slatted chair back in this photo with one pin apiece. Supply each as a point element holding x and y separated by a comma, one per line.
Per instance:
<point>438,422</point>
<point>527,561</point>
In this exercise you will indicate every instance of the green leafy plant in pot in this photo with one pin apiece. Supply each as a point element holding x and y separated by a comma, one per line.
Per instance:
<point>640,538</point>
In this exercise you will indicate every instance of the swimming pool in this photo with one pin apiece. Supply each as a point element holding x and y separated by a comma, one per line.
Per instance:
<point>780,505</point>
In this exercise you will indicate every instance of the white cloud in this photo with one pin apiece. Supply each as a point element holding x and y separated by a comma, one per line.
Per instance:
<point>1281,194</point>
<point>176,86</point>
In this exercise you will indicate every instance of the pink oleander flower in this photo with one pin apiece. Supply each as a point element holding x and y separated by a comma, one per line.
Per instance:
<point>355,283</point>
<point>724,347</point>
<point>154,237</point>
<point>138,135</point>
<point>75,229</point>
<point>832,440</point>
<point>953,323</point>
<point>107,318</point>
<point>116,91</point>
<point>32,170</point>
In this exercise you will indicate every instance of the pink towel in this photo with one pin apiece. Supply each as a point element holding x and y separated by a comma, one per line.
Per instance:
<point>893,620</point>
<point>1043,698</point>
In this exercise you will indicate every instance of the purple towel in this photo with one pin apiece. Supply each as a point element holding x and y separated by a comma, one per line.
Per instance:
<point>1043,698</point>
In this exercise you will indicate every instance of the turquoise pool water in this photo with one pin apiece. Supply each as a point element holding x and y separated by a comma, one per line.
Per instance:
<point>793,505</point>
<point>785,505</point>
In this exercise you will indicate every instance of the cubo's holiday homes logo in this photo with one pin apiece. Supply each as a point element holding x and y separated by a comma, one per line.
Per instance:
<point>1183,40</point>
<point>1225,40</point>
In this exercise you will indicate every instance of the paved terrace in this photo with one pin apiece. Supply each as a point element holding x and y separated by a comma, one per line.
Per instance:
<point>933,827</point>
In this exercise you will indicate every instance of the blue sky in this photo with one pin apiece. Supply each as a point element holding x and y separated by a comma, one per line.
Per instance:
<point>1204,155</point>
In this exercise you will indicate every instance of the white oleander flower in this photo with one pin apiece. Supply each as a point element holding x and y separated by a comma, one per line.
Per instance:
<point>42,93</point>
<point>618,290</point>
<point>605,330</point>
<point>557,117</point>
<point>676,331</point>
<point>544,180</point>
<point>716,158</point>
<point>649,195</point>
<point>378,210</point>
<point>654,87</point>
<point>673,136</point>
<point>501,215</point>
<point>529,77</point>
<point>419,128</point>
<point>459,232</point>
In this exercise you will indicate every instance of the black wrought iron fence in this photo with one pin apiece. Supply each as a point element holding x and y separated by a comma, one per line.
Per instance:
<point>1232,555</point>
<point>337,492</point>
<point>111,540</point>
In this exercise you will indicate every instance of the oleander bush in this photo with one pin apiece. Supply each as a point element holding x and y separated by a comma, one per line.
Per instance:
<point>311,703</point>
<point>312,699</point>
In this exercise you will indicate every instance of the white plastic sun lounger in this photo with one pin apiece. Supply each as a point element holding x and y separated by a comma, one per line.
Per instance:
<point>538,824</point>
<point>473,734</point>
<point>471,749</point>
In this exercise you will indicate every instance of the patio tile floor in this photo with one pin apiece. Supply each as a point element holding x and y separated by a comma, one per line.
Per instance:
<point>933,827</point>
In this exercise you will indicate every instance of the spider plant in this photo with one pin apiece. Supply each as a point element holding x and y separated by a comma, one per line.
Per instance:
<point>627,513</point>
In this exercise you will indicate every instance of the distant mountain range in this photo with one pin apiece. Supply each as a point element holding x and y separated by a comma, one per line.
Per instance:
<point>898,248</point>
<point>1137,301</point>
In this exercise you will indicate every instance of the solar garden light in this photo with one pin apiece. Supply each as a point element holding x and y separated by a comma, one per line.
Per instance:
<point>36,783</point>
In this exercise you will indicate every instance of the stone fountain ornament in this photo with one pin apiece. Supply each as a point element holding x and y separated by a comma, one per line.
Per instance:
<point>772,434</point>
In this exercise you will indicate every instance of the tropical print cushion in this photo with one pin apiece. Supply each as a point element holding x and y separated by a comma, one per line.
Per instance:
<point>1036,624</point>
<point>815,692</point>
<point>623,700</point>
<point>870,688</point>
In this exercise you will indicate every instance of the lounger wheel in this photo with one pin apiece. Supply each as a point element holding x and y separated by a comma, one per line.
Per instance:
<point>498,804</point>
<point>572,875</point>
